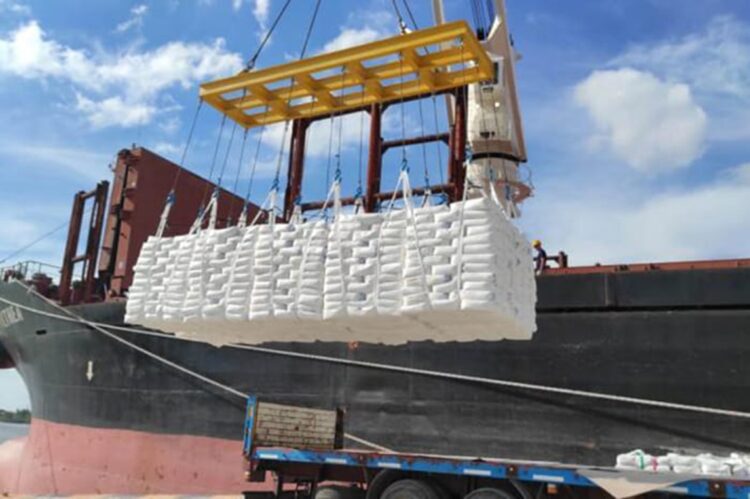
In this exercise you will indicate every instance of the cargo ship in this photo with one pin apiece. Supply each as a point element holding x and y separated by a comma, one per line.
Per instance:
<point>650,356</point>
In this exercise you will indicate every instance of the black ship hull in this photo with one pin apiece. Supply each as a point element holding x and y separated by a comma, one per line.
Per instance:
<point>678,337</point>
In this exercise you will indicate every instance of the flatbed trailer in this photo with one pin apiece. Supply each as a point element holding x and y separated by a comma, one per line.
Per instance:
<point>310,472</point>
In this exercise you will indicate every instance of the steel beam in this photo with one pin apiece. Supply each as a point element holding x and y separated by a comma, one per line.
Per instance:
<point>423,139</point>
<point>349,78</point>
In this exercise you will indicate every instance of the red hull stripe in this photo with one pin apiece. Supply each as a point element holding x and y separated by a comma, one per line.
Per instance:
<point>62,459</point>
<point>149,496</point>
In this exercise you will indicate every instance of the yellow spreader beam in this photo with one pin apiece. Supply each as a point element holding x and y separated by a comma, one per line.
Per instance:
<point>422,62</point>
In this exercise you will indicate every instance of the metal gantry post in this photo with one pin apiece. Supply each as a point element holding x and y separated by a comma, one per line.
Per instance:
<point>70,258</point>
<point>74,233</point>
<point>94,237</point>
<point>456,171</point>
<point>374,159</point>
<point>296,166</point>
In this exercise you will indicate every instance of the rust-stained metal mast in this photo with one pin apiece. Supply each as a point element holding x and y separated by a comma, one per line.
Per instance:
<point>88,258</point>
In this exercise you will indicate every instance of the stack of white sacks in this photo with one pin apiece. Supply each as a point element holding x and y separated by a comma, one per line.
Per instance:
<point>737,465</point>
<point>444,273</point>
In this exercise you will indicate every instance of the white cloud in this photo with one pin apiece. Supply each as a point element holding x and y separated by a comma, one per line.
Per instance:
<point>362,27</point>
<point>77,162</point>
<point>716,60</point>
<point>704,222</point>
<point>741,173</point>
<point>260,10</point>
<point>651,107</point>
<point>111,79</point>
<point>650,124</point>
<point>137,14</point>
<point>236,4</point>
<point>170,125</point>
<point>114,111</point>
<point>350,37</point>
<point>15,7</point>
<point>167,149</point>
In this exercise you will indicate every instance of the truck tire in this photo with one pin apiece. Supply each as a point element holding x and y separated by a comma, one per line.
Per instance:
<point>339,492</point>
<point>409,489</point>
<point>489,493</point>
<point>522,490</point>
<point>382,480</point>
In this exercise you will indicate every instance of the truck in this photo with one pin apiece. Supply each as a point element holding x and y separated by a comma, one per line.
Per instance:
<point>302,449</point>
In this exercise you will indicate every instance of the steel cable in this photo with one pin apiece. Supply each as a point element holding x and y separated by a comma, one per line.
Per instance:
<point>220,179</point>
<point>216,384</point>
<point>34,242</point>
<point>237,174</point>
<point>214,159</point>
<point>305,44</point>
<point>251,62</point>
<point>374,365</point>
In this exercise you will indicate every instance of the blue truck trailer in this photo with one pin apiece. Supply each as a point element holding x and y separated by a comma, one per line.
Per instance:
<point>302,449</point>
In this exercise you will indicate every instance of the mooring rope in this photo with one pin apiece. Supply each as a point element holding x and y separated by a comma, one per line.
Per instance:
<point>372,365</point>
<point>99,327</point>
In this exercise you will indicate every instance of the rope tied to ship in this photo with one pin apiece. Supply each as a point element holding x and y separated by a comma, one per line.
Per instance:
<point>100,327</point>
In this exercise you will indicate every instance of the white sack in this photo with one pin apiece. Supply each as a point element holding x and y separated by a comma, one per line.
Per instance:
<point>444,273</point>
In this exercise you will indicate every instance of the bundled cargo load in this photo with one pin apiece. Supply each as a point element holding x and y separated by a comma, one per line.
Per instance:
<point>445,273</point>
<point>735,464</point>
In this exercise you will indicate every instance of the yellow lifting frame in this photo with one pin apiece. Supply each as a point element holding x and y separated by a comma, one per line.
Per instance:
<point>291,91</point>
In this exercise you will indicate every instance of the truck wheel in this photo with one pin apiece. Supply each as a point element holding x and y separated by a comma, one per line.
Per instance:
<point>443,492</point>
<point>382,480</point>
<point>338,492</point>
<point>410,489</point>
<point>489,493</point>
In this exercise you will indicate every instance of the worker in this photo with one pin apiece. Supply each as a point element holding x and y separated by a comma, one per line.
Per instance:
<point>540,259</point>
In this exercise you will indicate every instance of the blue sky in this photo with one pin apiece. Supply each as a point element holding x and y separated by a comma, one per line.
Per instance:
<point>637,113</point>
